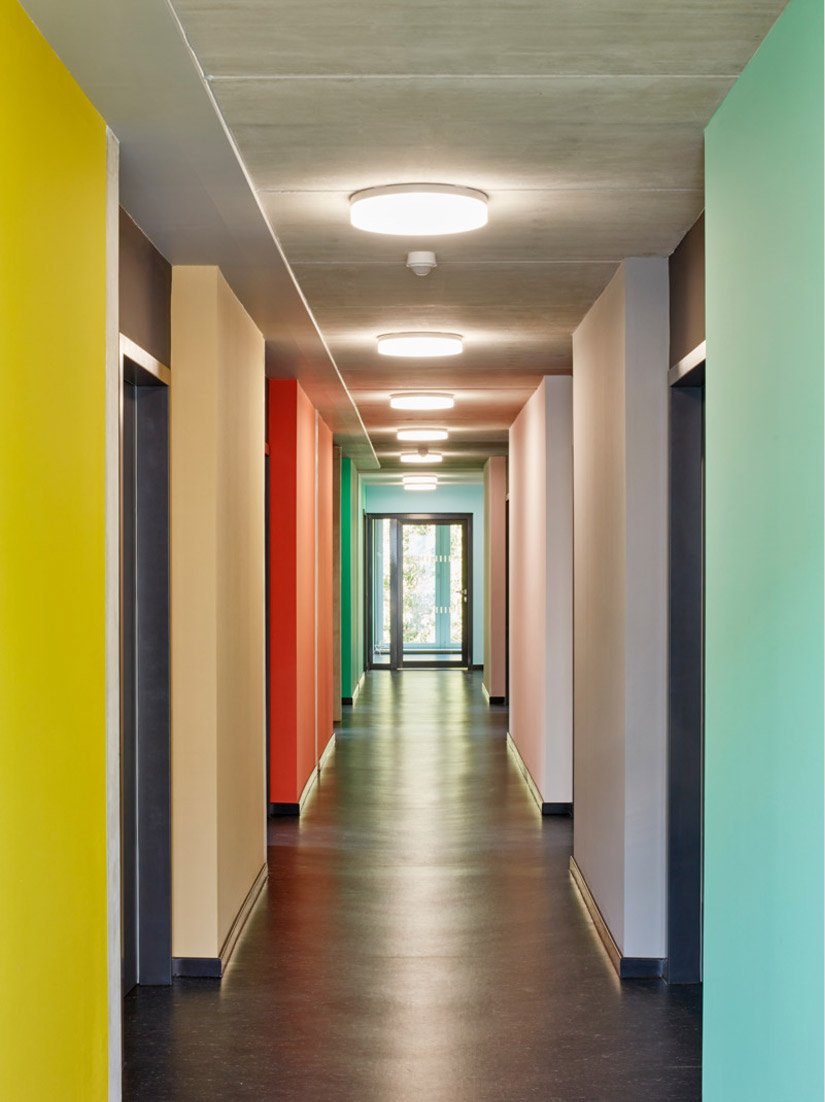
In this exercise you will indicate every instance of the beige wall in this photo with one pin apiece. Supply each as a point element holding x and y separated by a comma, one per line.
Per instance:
<point>620,361</point>
<point>541,588</point>
<point>217,598</point>
<point>495,576</point>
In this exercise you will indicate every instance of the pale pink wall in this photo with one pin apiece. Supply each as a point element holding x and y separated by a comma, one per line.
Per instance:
<point>495,576</point>
<point>541,583</point>
<point>528,596</point>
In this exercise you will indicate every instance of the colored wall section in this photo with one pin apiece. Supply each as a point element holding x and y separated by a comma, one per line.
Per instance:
<point>495,576</point>
<point>763,1017</point>
<point>541,588</point>
<point>352,593</point>
<point>217,603</point>
<point>620,416</point>
<point>53,976</point>
<point>460,498</point>
<point>325,628</point>
<point>300,511</point>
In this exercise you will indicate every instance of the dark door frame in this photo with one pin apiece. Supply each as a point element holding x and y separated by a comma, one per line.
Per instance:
<point>396,661</point>
<point>685,781</point>
<point>146,859</point>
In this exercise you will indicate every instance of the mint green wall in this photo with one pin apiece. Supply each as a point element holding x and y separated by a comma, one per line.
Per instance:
<point>352,647</point>
<point>763,1023</point>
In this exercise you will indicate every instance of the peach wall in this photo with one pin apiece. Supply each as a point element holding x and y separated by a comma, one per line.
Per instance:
<point>541,643</point>
<point>217,594</point>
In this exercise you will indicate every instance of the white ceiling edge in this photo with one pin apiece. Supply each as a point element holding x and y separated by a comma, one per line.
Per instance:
<point>183,182</point>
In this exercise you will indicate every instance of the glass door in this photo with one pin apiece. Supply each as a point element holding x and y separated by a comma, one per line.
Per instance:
<point>433,593</point>
<point>418,591</point>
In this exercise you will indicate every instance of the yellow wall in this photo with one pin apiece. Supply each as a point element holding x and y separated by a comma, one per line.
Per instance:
<point>53,1033</point>
<point>217,544</point>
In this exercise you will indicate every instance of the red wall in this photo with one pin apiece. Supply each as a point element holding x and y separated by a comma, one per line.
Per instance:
<point>297,450</point>
<point>281,427</point>
<point>325,640</point>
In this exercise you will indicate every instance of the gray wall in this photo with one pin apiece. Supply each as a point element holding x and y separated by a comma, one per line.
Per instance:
<point>687,292</point>
<point>145,278</point>
<point>620,360</point>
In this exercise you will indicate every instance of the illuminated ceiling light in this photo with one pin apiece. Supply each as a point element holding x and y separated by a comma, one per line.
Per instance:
<point>420,479</point>
<point>418,210</point>
<point>420,400</point>
<point>421,456</point>
<point>418,486</point>
<point>420,345</point>
<point>422,436</point>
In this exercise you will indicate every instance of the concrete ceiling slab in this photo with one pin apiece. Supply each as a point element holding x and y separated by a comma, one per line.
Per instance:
<point>582,121</point>
<point>533,37</point>
<point>550,132</point>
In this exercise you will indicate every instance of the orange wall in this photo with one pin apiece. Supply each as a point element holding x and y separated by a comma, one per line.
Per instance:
<point>300,446</point>
<point>325,610</point>
<point>304,537</point>
<point>281,428</point>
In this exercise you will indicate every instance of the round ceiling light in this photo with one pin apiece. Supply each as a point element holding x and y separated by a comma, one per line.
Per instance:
<point>426,400</point>
<point>422,456</point>
<point>418,210</point>
<point>422,436</point>
<point>420,345</point>
<point>420,479</point>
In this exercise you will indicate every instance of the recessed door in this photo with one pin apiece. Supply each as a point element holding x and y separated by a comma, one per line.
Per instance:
<point>419,591</point>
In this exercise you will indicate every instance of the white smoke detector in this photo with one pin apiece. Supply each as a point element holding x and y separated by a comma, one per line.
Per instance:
<point>422,263</point>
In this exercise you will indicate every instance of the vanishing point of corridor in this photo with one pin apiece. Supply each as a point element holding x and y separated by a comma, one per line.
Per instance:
<point>419,938</point>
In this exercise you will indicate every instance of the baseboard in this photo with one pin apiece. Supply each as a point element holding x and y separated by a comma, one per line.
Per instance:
<point>212,968</point>
<point>350,700</point>
<point>285,809</point>
<point>197,968</point>
<point>491,699</point>
<point>544,807</point>
<point>235,930</point>
<point>627,968</point>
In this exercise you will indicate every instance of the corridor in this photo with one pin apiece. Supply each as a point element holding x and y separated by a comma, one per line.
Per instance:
<point>419,938</point>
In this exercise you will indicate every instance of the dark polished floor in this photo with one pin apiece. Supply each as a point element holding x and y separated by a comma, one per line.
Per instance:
<point>419,938</point>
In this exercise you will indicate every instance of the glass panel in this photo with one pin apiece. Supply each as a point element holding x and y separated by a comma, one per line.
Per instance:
<point>381,591</point>
<point>432,600</point>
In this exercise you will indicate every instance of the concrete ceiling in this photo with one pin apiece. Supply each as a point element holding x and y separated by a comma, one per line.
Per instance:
<point>583,121</point>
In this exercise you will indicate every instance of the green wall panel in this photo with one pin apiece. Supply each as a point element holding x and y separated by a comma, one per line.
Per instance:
<point>763,960</point>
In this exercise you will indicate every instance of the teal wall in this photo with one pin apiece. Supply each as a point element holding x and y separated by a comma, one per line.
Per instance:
<point>763,1023</point>
<point>461,498</point>
<point>352,593</point>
